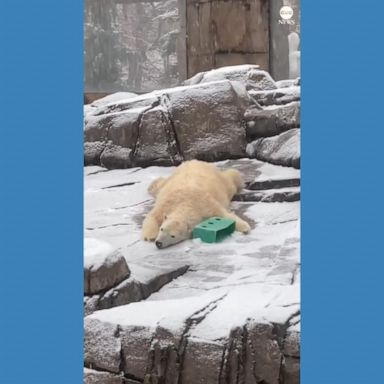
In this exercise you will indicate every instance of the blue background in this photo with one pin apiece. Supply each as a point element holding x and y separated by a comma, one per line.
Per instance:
<point>41,95</point>
<point>41,230</point>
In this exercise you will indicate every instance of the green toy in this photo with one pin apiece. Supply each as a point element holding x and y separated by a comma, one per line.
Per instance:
<point>214,229</point>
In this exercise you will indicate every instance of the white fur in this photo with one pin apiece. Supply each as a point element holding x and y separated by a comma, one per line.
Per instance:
<point>195,191</point>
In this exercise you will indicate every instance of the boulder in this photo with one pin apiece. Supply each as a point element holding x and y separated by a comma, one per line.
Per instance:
<point>277,96</point>
<point>202,121</point>
<point>208,120</point>
<point>117,96</point>
<point>99,377</point>
<point>156,143</point>
<point>195,339</point>
<point>250,75</point>
<point>288,83</point>
<point>102,345</point>
<point>104,267</point>
<point>272,120</point>
<point>283,149</point>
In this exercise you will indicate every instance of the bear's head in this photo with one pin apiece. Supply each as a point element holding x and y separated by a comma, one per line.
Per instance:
<point>172,231</point>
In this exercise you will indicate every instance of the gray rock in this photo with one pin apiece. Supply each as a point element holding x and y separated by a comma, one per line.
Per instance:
<point>288,83</point>
<point>277,97</point>
<point>202,121</point>
<point>292,343</point>
<point>208,120</point>
<point>93,151</point>
<point>156,142</point>
<point>269,196</point>
<point>254,354</point>
<point>283,149</point>
<point>132,290</point>
<point>259,175</point>
<point>147,100</point>
<point>117,96</point>
<point>102,345</point>
<point>103,267</point>
<point>115,156</point>
<point>290,371</point>
<point>272,121</point>
<point>250,75</point>
<point>136,346</point>
<point>203,362</point>
<point>98,377</point>
<point>116,132</point>
<point>273,184</point>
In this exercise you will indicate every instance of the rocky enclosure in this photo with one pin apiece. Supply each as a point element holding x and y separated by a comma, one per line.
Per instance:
<point>194,313</point>
<point>220,114</point>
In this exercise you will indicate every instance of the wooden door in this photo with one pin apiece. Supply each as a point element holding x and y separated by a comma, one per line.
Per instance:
<point>226,32</point>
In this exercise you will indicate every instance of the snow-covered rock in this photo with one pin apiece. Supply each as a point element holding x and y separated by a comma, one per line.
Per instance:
<point>114,97</point>
<point>117,96</point>
<point>212,117</point>
<point>272,120</point>
<point>251,75</point>
<point>277,96</point>
<point>92,376</point>
<point>283,149</point>
<point>288,83</point>
<point>104,266</point>
<point>163,127</point>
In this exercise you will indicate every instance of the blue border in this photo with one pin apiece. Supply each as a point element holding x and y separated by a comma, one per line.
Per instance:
<point>342,205</point>
<point>41,192</point>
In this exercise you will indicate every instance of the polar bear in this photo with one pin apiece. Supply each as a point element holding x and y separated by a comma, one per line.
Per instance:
<point>195,191</point>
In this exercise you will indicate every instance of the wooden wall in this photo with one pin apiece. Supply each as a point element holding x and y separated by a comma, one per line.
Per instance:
<point>225,32</point>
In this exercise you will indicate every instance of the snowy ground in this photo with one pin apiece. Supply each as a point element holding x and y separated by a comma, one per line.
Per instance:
<point>196,304</point>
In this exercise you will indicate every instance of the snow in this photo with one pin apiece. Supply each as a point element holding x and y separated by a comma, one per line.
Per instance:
<point>261,303</point>
<point>95,251</point>
<point>221,73</point>
<point>254,275</point>
<point>113,98</point>
<point>169,314</point>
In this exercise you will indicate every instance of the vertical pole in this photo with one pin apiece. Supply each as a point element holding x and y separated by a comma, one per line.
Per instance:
<point>182,59</point>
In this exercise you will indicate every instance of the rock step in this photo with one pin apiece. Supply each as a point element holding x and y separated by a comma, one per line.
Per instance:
<point>271,121</point>
<point>212,117</point>
<point>269,196</point>
<point>198,339</point>
<point>201,121</point>
<point>104,266</point>
<point>277,97</point>
<point>273,184</point>
<point>131,290</point>
<point>283,149</point>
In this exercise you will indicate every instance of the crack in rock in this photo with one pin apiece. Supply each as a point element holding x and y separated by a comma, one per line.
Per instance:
<point>195,319</point>
<point>122,185</point>
<point>173,145</point>
<point>273,184</point>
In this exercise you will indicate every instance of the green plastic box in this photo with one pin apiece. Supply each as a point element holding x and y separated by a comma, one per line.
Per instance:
<point>214,229</point>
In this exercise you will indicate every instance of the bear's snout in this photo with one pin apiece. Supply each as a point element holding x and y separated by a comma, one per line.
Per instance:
<point>159,244</point>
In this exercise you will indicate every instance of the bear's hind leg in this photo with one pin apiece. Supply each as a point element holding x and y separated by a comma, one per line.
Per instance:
<point>241,225</point>
<point>156,185</point>
<point>217,210</point>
